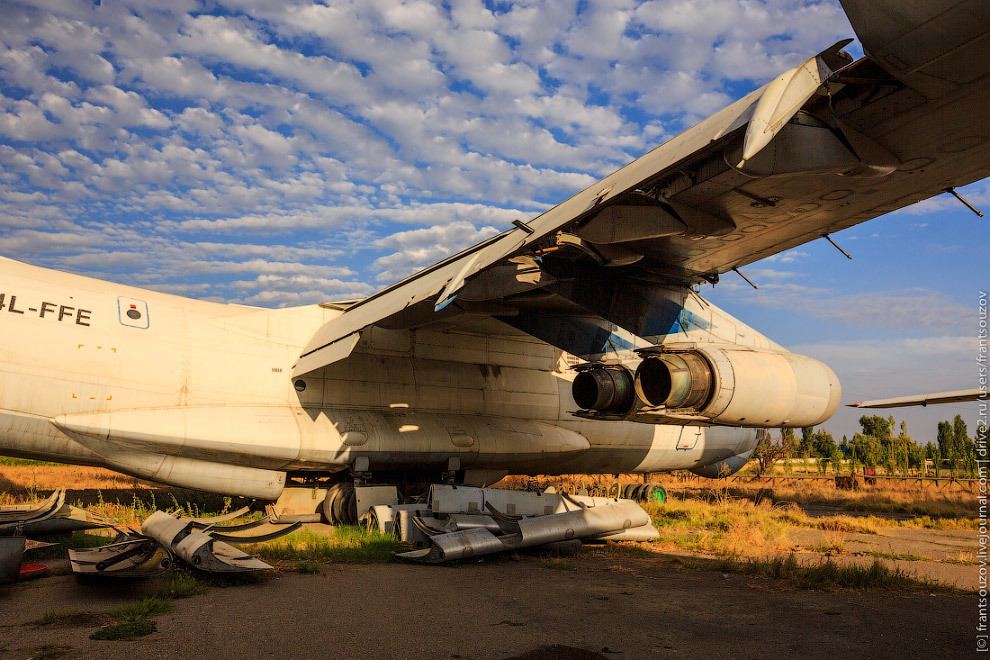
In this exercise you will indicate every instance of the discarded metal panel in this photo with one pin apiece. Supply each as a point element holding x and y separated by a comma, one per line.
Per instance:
<point>30,571</point>
<point>197,548</point>
<point>21,512</point>
<point>457,545</point>
<point>52,516</point>
<point>35,514</point>
<point>258,538</point>
<point>129,557</point>
<point>11,551</point>
<point>369,496</point>
<point>524,532</point>
<point>67,519</point>
<point>212,520</point>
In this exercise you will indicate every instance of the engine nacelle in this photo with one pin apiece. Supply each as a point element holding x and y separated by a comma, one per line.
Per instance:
<point>607,389</point>
<point>739,387</point>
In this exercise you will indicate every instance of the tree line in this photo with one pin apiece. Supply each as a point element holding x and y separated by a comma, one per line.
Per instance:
<point>876,445</point>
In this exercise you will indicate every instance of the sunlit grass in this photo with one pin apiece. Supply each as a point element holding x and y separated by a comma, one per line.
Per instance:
<point>344,545</point>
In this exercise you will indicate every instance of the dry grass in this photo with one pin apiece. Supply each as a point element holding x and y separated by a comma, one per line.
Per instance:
<point>721,527</point>
<point>20,479</point>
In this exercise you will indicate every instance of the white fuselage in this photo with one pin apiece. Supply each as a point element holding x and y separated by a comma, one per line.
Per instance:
<point>199,394</point>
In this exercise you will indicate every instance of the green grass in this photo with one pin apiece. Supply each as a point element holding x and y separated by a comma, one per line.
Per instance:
<point>827,575</point>
<point>146,607</point>
<point>903,556</point>
<point>128,629</point>
<point>180,583</point>
<point>343,545</point>
<point>7,460</point>
<point>55,614</point>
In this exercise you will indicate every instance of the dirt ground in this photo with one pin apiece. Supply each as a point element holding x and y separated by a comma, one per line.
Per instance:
<point>603,608</point>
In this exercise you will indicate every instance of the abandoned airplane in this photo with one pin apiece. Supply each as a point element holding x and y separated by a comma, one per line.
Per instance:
<point>575,343</point>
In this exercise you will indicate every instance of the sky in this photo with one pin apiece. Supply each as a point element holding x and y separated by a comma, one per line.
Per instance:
<point>289,153</point>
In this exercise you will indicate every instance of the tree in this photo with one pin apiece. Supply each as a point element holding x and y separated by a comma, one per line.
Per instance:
<point>959,436</point>
<point>946,439</point>
<point>807,440</point>
<point>770,450</point>
<point>880,429</point>
<point>866,449</point>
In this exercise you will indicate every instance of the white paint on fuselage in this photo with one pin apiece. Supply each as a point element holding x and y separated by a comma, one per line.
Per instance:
<point>211,382</point>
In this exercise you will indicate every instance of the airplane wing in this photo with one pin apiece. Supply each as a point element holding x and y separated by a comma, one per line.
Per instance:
<point>923,399</point>
<point>825,146</point>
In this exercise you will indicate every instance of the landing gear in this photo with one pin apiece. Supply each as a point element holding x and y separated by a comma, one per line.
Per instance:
<point>340,505</point>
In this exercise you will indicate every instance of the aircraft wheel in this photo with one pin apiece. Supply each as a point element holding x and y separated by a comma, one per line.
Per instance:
<point>655,493</point>
<point>328,502</point>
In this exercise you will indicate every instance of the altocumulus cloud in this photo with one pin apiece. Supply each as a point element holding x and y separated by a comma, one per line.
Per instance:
<point>347,143</point>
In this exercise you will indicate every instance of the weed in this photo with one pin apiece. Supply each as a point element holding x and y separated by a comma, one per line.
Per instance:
<point>146,607</point>
<point>902,556</point>
<point>826,575</point>
<point>834,542</point>
<point>128,629</point>
<point>307,567</point>
<point>55,614</point>
<point>49,651</point>
<point>558,564</point>
<point>349,545</point>
<point>181,584</point>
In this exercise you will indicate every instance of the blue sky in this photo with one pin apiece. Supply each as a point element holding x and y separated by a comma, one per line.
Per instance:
<point>288,153</point>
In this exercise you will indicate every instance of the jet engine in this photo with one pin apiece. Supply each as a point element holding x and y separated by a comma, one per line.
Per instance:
<point>607,389</point>
<point>726,386</point>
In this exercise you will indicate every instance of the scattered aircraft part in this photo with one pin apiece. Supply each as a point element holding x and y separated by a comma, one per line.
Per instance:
<point>258,538</point>
<point>787,94</point>
<point>526,532</point>
<point>130,556</point>
<point>31,544</point>
<point>366,497</point>
<point>957,396</point>
<point>68,519</point>
<point>200,523</point>
<point>198,549</point>
<point>212,520</point>
<point>37,514</point>
<point>11,551</point>
<point>30,571</point>
<point>22,512</point>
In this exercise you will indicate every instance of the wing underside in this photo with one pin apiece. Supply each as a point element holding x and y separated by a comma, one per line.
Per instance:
<point>825,146</point>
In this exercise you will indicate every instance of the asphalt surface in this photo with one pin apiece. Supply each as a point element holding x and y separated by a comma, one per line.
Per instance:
<point>603,607</point>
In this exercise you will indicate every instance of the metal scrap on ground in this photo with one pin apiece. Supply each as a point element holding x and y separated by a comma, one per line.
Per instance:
<point>459,522</point>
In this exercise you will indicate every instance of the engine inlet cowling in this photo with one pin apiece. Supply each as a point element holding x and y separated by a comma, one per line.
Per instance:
<point>682,380</point>
<point>605,389</point>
